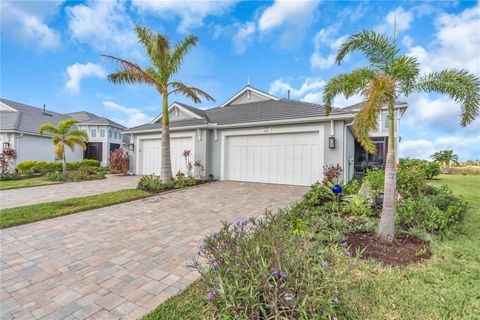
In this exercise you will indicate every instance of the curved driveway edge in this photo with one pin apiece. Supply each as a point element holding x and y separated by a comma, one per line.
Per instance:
<point>121,261</point>
<point>56,192</point>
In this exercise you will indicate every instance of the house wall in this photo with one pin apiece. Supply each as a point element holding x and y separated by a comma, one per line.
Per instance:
<point>30,147</point>
<point>245,98</point>
<point>105,140</point>
<point>349,155</point>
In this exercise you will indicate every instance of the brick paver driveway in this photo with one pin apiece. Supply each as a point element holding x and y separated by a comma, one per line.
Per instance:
<point>56,192</point>
<point>120,261</point>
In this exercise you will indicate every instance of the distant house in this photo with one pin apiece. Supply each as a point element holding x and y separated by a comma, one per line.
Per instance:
<point>257,137</point>
<point>19,125</point>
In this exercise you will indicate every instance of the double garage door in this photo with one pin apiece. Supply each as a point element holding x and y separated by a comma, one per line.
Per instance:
<point>292,158</point>
<point>151,154</point>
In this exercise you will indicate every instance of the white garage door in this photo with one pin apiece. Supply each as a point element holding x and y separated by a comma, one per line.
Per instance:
<point>293,158</point>
<point>151,154</point>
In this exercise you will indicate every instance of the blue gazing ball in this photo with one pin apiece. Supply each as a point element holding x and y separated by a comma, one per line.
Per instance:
<point>337,189</point>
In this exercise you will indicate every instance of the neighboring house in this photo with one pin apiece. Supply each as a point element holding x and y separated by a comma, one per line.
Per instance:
<point>19,125</point>
<point>104,135</point>
<point>257,137</point>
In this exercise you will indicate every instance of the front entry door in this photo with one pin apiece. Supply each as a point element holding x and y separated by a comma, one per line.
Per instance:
<point>94,151</point>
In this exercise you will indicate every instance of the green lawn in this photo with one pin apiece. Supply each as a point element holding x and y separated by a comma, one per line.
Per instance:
<point>22,183</point>
<point>36,212</point>
<point>445,287</point>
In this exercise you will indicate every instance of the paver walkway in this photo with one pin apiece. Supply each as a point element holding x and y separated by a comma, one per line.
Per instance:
<point>56,192</point>
<point>124,260</point>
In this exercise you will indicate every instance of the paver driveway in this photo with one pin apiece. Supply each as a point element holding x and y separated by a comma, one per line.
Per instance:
<point>120,261</point>
<point>56,192</point>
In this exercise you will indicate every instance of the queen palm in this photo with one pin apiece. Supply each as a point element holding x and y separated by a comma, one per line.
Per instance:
<point>166,62</point>
<point>65,134</point>
<point>445,157</point>
<point>387,77</point>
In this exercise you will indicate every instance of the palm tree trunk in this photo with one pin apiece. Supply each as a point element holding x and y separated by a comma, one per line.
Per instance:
<point>166,170</point>
<point>64,164</point>
<point>386,229</point>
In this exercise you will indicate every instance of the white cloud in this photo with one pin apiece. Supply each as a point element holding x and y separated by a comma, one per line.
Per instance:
<point>407,41</point>
<point>76,72</point>
<point>191,13</point>
<point>25,22</point>
<point>423,149</point>
<point>280,87</point>
<point>341,102</point>
<point>286,12</point>
<point>456,43</point>
<point>326,45</point>
<point>399,17</point>
<point>104,25</point>
<point>129,117</point>
<point>243,37</point>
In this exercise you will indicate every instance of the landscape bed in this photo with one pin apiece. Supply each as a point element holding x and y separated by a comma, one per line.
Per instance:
<point>440,283</point>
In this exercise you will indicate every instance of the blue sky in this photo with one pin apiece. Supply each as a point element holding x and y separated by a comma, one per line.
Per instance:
<point>51,54</point>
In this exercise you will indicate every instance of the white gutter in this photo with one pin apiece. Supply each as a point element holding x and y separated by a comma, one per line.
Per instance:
<point>255,124</point>
<point>345,161</point>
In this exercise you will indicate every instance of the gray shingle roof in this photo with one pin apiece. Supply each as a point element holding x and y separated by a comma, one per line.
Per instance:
<point>27,118</point>
<point>249,112</point>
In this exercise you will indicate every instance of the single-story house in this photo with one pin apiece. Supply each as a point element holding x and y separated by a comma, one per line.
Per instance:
<point>19,125</point>
<point>257,137</point>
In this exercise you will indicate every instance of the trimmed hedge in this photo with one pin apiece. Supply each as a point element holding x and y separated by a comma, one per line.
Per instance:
<point>30,166</point>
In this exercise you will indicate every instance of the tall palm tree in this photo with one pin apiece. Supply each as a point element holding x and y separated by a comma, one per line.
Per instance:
<point>445,157</point>
<point>166,61</point>
<point>388,76</point>
<point>65,134</point>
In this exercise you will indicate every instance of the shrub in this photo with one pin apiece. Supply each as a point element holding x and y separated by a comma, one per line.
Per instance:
<point>6,160</point>
<point>72,166</point>
<point>55,176</point>
<point>318,195</point>
<point>358,205</point>
<point>89,163</point>
<point>435,212</point>
<point>374,179</point>
<point>26,166</point>
<point>119,161</point>
<point>429,168</point>
<point>464,170</point>
<point>331,172</point>
<point>353,186</point>
<point>150,183</point>
<point>259,269</point>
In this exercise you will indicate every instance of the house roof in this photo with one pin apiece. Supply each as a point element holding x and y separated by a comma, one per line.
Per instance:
<point>25,118</point>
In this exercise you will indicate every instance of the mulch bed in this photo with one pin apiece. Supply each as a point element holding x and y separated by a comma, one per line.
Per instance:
<point>406,249</point>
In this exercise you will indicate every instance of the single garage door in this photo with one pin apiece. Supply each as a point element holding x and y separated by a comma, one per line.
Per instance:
<point>151,154</point>
<point>293,158</point>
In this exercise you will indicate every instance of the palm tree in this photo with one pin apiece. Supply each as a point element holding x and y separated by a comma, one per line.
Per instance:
<point>65,134</point>
<point>388,76</point>
<point>166,61</point>
<point>445,157</point>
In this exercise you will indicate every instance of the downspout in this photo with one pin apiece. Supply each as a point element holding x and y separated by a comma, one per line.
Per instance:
<point>16,148</point>
<point>346,164</point>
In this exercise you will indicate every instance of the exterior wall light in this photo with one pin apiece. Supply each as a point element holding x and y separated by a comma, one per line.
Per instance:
<point>131,147</point>
<point>6,145</point>
<point>331,142</point>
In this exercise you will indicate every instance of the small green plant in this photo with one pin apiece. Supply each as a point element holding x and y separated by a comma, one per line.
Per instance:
<point>211,177</point>
<point>421,252</point>
<point>25,167</point>
<point>89,163</point>
<point>150,183</point>
<point>357,205</point>
<point>55,176</point>
<point>374,181</point>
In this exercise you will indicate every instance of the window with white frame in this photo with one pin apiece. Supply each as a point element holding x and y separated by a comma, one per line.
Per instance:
<point>110,133</point>
<point>93,133</point>
<point>102,132</point>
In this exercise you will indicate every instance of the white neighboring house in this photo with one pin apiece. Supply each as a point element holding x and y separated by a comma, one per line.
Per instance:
<point>19,125</point>
<point>257,137</point>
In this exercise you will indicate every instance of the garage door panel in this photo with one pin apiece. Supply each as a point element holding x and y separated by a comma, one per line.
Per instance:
<point>293,158</point>
<point>151,154</point>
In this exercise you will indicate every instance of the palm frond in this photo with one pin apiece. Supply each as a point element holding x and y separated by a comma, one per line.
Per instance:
<point>71,141</point>
<point>379,93</point>
<point>460,85</point>
<point>347,84</point>
<point>59,150</point>
<point>64,126</point>
<point>404,70</point>
<point>193,93</point>
<point>56,139</point>
<point>47,127</point>
<point>376,47</point>
<point>157,45</point>
<point>79,133</point>
<point>179,52</point>
<point>130,72</point>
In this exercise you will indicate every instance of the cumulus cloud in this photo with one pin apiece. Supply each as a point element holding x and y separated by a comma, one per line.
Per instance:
<point>243,37</point>
<point>26,22</point>
<point>326,45</point>
<point>191,13</point>
<point>76,72</point>
<point>400,17</point>
<point>104,25</point>
<point>456,43</point>
<point>283,12</point>
<point>423,149</point>
<point>280,87</point>
<point>129,117</point>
